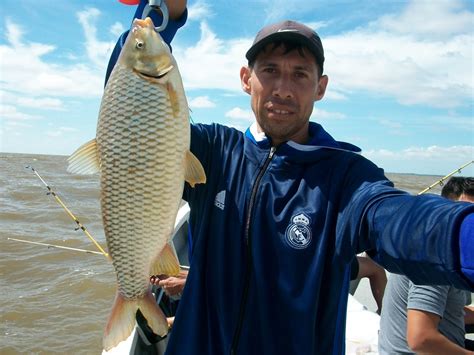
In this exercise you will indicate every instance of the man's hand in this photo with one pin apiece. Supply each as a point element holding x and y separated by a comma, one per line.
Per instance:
<point>172,285</point>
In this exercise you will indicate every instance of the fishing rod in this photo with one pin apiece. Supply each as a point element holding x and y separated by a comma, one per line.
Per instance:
<point>79,224</point>
<point>182,267</point>
<point>440,181</point>
<point>56,246</point>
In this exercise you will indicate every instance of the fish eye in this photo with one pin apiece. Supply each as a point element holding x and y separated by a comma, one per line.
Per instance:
<point>139,44</point>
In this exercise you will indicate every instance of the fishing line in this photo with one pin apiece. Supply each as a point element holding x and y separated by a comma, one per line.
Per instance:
<point>56,246</point>
<point>440,181</point>
<point>79,224</point>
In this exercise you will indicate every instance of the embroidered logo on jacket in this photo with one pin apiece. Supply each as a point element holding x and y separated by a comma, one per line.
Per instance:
<point>298,234</point>
<point>219,201</point>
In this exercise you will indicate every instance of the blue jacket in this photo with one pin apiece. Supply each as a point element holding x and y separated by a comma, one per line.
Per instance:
<point>274,234</point>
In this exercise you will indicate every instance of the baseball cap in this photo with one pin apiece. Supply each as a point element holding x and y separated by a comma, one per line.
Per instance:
<point>288,31</point>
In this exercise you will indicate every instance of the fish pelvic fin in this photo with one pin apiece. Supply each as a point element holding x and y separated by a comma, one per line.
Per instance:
<point>85,160</point>
<point>122,319</point>
<point>167,263</point>
<point>193,170</point>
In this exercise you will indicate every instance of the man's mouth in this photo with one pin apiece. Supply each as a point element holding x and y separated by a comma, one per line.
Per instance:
<point>280,107</point>
<point>279,111</point>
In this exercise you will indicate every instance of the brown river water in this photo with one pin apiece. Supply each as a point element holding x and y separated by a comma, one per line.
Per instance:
<point>52,300</point>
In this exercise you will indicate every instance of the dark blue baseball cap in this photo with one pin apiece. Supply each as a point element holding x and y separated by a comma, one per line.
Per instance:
<point>288,31</point>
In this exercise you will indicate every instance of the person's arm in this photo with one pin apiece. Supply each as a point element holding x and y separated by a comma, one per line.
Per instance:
<point>423,238</point>
<point>176,8</point>
<point>377,278</point>
<point>423,335</point>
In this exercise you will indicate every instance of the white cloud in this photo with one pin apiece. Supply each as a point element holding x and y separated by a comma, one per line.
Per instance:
<point>13,125</point>
<point>286,8</point>
<point>393,127</point>
<point>199,11</point>
<point>25,71</point>
<point>319,115</point>
<point>401,55</point>
<point>98,51</point>
<point>11,113</point>
<point>219,62</point>
<point>117,29</point>
<point>440,19</point>
<point>17,102</point>
<point>317,25</point>
<point>422,160</point>
<point>238,113</point>
<point>45,103</point>
<point>431,152</point>
<point>240,127</point>
<point>60,131</point>
<point>201,102</point>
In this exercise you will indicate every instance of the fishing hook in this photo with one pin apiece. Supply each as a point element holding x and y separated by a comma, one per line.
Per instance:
<point>158,6</point>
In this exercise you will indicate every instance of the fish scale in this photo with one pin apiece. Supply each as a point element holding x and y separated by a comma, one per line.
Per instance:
<point>157,151</point>
<point>142,153</point>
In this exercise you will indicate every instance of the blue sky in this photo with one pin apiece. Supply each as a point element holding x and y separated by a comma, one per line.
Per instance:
<point>401,79</point>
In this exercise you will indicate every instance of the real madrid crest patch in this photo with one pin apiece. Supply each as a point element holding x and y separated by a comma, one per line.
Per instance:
<point>298,233</point>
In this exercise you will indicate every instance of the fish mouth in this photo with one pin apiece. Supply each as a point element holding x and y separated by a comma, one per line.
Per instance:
<point>161,74</point>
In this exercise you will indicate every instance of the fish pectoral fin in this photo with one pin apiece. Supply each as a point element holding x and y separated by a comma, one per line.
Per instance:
<point>122,319</point>
<point>85,160</point>
<point>193,170</point>
<point>167,263</point>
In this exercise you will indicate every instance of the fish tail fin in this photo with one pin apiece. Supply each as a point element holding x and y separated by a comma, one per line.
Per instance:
<point>193,170</point>
<point>123,315</point>
<point>167,262</point>
<point>121,321</point>
<point>153,314</point>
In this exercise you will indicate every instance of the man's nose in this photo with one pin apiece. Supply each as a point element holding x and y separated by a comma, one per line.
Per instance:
<point>283,87</point>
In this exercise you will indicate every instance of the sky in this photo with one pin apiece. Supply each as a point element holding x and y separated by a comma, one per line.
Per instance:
<point>401,80</point>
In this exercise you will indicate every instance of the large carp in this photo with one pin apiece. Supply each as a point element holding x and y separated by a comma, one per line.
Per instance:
<point>142,153</point>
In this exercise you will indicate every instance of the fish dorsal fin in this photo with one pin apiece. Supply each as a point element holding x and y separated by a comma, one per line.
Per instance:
<point>193,170</point>
<point>85,160</point>
<point>167,263</point>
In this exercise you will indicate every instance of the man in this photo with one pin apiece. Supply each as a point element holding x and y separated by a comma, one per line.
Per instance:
<point>427,319</point>
<point>285,209</point>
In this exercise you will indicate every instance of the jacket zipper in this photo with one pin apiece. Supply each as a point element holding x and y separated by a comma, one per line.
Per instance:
<point>248,268</point>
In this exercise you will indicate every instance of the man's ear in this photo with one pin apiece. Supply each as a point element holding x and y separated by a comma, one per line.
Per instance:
<point>245,79</point>
<point>321,90</point>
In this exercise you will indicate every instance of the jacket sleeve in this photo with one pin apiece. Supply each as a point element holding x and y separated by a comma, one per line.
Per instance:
<point>419,236</point>
<point>167,34</point>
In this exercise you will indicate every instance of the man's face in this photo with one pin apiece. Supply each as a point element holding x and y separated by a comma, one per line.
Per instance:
<point>283,88</point>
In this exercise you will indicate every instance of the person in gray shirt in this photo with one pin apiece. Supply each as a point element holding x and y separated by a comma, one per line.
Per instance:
<point>415,317</point>
<point>426,319</point>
